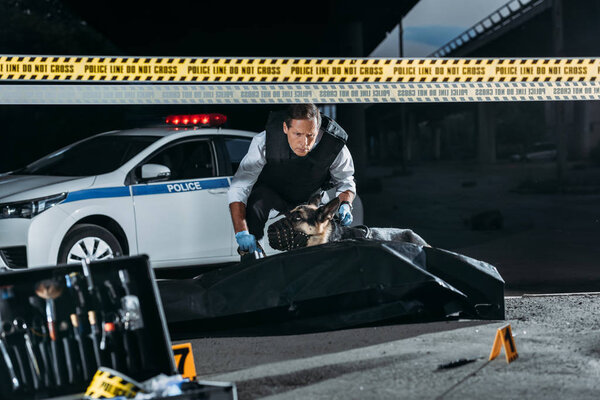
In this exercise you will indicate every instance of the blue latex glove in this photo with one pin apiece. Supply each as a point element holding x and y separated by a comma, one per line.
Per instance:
<point>246,241</point>
<point>345,214</point>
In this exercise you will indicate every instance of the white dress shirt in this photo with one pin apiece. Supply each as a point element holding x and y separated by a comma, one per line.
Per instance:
<point>341,170</point>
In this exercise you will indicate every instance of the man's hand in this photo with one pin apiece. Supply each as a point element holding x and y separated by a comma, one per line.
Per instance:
<point>345,213</point>
<point>246,241</point>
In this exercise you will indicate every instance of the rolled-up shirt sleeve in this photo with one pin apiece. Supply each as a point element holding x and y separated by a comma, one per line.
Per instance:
<point>342,172</point>
<point>248,171</point>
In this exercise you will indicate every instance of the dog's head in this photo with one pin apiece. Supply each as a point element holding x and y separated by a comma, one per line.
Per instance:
<point>306,225</point>
<point>313,220</point>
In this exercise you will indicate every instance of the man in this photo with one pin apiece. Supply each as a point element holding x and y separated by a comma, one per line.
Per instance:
<point>297,155</point>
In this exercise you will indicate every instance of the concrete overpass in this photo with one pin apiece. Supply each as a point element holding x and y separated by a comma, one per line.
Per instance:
<point>520,28</point>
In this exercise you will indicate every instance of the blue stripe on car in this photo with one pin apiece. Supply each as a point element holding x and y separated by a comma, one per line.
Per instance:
<point>143,190</point>
<point>100,193</point>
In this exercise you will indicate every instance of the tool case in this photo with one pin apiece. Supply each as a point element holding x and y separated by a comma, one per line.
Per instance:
<point>60,324</point>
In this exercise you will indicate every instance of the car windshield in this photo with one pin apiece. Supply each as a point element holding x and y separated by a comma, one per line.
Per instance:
<point>95,156</point>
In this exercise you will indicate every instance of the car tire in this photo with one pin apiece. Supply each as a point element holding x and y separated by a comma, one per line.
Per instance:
<point>91,241</point>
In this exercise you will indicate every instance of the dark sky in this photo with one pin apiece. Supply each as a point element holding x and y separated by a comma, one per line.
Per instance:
<point>221,28</point>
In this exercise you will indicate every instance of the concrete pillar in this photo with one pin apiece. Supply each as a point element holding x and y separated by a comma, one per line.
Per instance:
<point>410,137</point>
<point>559,108</point>
<point>590,127</point>
<point>486,134</point>
<point>383,147</point>
<point>437,143</point>
<point>352,116</point>
<point>352,119</point>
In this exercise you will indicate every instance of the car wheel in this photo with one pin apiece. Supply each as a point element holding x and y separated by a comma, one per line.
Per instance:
<point>88,241</point>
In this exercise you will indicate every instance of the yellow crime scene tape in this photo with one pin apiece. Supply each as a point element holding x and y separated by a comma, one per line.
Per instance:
<point>23,94</point>
<point>296,70</point>
<point>108,383</point>
<point>163,80</point>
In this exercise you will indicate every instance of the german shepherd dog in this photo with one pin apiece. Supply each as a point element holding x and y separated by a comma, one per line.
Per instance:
<point>319,226</point>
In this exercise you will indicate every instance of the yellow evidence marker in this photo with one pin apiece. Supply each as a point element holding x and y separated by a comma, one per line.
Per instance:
<point>184,360</point>
<point>504,338</point>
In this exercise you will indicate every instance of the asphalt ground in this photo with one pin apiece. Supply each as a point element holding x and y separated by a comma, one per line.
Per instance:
<point>557,339</point>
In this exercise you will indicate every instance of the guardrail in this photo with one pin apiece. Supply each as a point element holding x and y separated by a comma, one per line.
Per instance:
<point>503,16</point>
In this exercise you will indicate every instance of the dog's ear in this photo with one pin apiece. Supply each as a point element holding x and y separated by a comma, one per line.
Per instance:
<point>328,210</point>
<point>315,200</point>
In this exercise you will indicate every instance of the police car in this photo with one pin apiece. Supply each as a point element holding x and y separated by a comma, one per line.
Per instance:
<point>158,191</point>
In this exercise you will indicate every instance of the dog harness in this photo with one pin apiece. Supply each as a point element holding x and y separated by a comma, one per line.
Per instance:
<point>283,236</point>
<point>295,178</point>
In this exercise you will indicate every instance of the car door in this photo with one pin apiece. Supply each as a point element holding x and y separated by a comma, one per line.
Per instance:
<point>184,219</point>
<point>232,151</point>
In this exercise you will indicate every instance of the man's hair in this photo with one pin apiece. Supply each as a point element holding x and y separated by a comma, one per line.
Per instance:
<point>302,111</point>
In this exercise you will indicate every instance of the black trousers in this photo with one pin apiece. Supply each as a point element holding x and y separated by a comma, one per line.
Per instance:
<point>261,201</point>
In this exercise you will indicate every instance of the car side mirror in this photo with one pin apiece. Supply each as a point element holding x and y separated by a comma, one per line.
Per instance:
<point>155,172</point>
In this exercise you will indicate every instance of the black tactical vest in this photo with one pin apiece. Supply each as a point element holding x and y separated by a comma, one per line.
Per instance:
<point>296,178</point>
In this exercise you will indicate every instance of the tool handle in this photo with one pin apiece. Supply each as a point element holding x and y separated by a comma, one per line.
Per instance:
<point>34,365</point>
<point>58,353</point>
<point>132,354</point>
<point>16,384</point>
<point>56,357</point>
<point>52,330</point>
<point>20,365</point>
<point>94,337</point>
<point>50,318</point>
<point>83,355</point>
<point>69,360</point>
<point>47,367</point>
<point>124,278</point>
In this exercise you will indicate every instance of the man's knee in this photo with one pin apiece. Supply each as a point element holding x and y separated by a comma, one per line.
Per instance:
<point>258,203</point>
<point>257,210</point>
<point>261,201</point>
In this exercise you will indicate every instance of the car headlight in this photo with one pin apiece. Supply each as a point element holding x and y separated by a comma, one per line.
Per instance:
<point>30,208</point>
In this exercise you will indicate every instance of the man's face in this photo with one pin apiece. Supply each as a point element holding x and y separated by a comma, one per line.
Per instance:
<point>301,135</point>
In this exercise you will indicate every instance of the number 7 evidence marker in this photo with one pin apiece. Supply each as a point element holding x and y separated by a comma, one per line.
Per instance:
<point>184,360</point>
